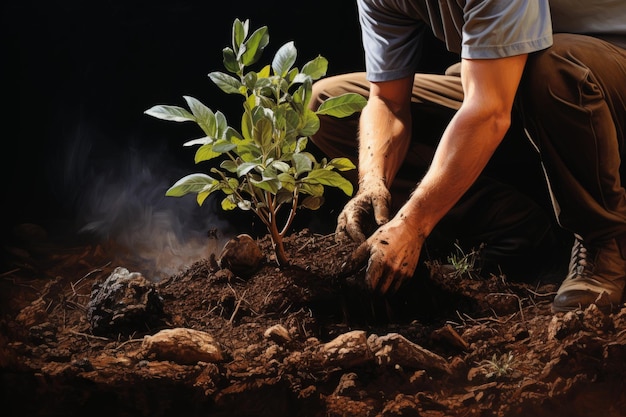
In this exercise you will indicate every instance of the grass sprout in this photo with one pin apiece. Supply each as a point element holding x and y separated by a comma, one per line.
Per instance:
<point>498,366</point>
<point>463,263</point>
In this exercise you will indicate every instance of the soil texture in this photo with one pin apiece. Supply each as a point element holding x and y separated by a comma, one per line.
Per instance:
<point>297,340</point>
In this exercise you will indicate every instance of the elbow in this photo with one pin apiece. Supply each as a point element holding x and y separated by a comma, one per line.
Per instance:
<point>491,118</point>
<point>501,123</point>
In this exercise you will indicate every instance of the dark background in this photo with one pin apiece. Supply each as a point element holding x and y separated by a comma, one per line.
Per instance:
<point>79,155</point>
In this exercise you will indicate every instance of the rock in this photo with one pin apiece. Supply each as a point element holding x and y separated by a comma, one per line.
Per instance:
<point>348,386</point>
<point>347,350</point>
<point>565,325</point>
<point>241,255</point>
<point>125,303</point>
<point>183,346</point>
<point>395,349</point>
<point>278,334</point>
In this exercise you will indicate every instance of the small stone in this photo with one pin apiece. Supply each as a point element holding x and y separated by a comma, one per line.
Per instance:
<point>278,334</point>
<point>241,255</point>
<point>395,349</point>
<point>183,346</point>
<point>347,350</point>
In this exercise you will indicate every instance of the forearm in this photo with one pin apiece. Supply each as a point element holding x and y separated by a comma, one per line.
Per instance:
<point>384,137</point>
<point>469,141</point>
<point>463,152</point>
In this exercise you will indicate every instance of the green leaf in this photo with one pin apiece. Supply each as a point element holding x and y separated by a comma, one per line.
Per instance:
<point>204,116</point>
<point>272,185</point>
<point>248,151</point>
<point>200,141</point>
<point>253,48</point>
<point>264,73</point>
<point>232,135</point>
<point>229,165</point>
<point>223,146</point>
<point>229,186</point>
<point>230,60</point>
<point>246,167</point>
<point>262,132</point>
<point>312,189</point>
<point>228,203</point>
<point>226,83</point>
<point>301,163</point>
<point>311,123</point>
<point>316,68</point>
<point>341,164</point>
<point>222,125</point>
<point>240,31</point>
<point>343,105</point>
<point>250,80</point>
<point>287,180</point>
<point>312,202</point>
<point>284,59</point>
<point>301,144</point>
<point>291,76</point>
<point>205,153</point>
<point>202,196</point>
<point>331,178</point>
<point>302,96</point>
<point>172,113</point>
<point>246,122</point>
<point>193,183</point>
<point>280,165</point>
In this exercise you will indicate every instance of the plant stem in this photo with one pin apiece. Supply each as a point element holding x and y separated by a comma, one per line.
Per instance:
<point>277,237</point>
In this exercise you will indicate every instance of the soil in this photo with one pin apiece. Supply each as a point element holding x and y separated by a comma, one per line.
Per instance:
<point>299,340</point>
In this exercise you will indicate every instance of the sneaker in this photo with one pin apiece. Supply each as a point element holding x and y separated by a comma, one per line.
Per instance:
<point>597,274</point>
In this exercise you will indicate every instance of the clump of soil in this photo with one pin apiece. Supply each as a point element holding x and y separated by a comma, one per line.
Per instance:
<point>301,340</point>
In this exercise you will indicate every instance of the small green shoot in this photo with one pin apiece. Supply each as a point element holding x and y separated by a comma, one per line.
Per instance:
<point>463,263</point>
<point>497,367</point>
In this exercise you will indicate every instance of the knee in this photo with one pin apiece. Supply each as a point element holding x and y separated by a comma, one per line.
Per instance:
<point>322,90</point>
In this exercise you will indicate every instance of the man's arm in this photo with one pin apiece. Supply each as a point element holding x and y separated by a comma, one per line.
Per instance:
<point>385,130</point>
<point>466,146</point>
<point>470,139</point>
<point>384,136</point>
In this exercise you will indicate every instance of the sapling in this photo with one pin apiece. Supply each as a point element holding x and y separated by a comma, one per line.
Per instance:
<point>264,166</point>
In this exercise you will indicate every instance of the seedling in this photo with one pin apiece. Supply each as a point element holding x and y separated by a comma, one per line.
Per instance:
<point>498,367</point>
<point>264,166</point>
<point>463,263</point>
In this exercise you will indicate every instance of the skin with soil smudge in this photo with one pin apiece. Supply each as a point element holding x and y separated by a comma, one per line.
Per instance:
<point>504,352</point>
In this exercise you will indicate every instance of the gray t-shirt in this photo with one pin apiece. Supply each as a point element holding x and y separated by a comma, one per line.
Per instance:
<point>392,30</point>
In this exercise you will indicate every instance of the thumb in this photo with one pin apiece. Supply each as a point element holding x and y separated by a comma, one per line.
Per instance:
<point>381,204</point>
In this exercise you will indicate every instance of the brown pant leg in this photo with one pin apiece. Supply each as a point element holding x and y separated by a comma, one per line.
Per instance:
<point>573,100</point>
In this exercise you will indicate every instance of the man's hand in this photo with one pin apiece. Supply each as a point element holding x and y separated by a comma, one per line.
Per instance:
<point>367,210</point>
<point>391,255</point>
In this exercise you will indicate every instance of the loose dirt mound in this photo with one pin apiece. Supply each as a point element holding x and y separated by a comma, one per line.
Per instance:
<point>302,341</point>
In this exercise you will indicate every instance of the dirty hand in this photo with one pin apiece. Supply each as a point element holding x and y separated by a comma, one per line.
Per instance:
<point>368,209</point>
<point>391,255</point>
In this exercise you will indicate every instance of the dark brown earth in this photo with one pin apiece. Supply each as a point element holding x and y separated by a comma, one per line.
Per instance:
<point>449,344</point>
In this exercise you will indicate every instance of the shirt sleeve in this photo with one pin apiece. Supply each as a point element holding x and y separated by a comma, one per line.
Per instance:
<point>392,41</point>
<point>498,29</point>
